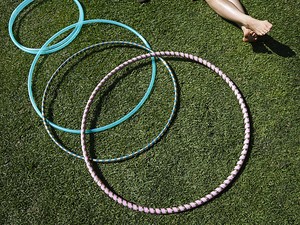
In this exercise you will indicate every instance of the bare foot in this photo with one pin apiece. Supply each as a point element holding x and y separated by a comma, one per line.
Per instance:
<point>249,35</point>
<point>260,27</point>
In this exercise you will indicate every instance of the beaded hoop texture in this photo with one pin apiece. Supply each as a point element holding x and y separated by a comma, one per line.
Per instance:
<point>150,144</point>
<point>190,205</point>
<point>56,47</point>
<point>134,110</point>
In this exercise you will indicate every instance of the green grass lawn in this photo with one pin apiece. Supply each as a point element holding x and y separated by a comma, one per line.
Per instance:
<point>40,184</point>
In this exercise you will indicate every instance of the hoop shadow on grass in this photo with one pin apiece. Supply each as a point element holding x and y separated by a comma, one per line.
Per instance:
<point>97,112</point>
<point>252,140</point>
<point>99,173</point>
<point>28,10</point>
<point>100,101</point>
<point>22,17</point>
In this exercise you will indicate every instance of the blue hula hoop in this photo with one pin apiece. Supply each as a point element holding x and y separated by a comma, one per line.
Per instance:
<point>46,50</point>
<point>117,122</point>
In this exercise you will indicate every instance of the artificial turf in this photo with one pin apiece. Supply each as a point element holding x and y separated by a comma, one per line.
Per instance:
<point>40,184</point>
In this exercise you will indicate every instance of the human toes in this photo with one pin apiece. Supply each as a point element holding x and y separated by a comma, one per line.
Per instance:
<point>267,26</point>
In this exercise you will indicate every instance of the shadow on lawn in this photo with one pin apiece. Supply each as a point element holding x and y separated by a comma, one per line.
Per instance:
<point>269,45</point>
<point>28,10</point>
<point>245,161</point>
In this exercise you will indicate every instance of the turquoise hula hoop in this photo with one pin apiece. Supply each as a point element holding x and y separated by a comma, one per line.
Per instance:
<point>49,49</point>
<point>111,125</point>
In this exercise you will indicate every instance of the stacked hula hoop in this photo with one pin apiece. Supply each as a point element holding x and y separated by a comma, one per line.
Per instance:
<point>47,48</point>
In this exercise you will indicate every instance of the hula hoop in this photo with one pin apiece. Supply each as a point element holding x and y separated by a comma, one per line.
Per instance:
<point>198,202</point>
<point>137,107</point>
<point>56,47</point>
<point>150,144</point>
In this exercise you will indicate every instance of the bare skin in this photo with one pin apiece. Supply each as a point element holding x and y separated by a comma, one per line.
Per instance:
<point>234,11</point>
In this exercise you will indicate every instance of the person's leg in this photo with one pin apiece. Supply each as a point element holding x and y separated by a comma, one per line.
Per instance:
<point>238,4</point>
<point>233,11</point>
<point>249,35</point>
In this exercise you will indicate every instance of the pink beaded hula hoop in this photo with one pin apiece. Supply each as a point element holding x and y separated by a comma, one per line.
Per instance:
<point>190,205</point>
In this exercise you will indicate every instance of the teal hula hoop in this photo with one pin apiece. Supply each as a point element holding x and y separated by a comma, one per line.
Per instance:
<point>50,49</point>
<point>111,125</point>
